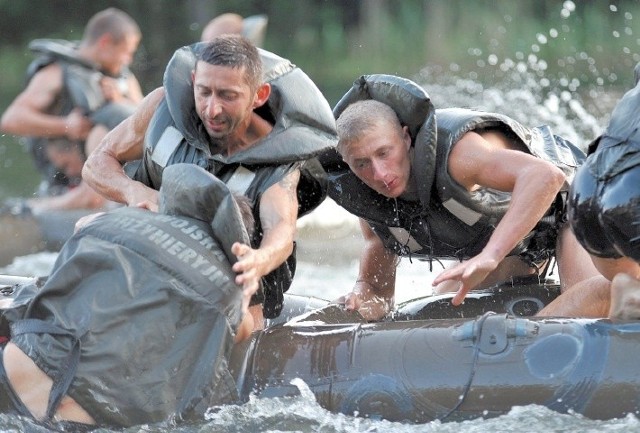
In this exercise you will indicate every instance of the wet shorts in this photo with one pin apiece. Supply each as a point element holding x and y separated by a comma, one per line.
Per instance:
<point>605,213</point>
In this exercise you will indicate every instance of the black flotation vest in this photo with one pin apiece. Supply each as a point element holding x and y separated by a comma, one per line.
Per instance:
<point>446,221</point>
<point>137,318</point>
<point>81,89</point>
<point>303,126</point>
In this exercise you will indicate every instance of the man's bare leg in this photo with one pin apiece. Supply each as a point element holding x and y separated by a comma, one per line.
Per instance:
<point>588,298</point>
<point>33,386</point>
<point>625,298</point>
<point>574,262</point>
<point>585,292</point>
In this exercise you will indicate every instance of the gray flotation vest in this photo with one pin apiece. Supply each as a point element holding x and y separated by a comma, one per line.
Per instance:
<point>137,319</point>
<point>81,89</point>
<point>303,126</point>
<point>446,221</point>
<point>81,78</point>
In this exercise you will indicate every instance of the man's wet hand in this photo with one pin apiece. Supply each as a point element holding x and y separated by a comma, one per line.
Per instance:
<point>469,273</point>
<point>247,268</point>
<point>83,221</point>
<point>76,125</point>
<point>148,205</point>
<point>351,301</point>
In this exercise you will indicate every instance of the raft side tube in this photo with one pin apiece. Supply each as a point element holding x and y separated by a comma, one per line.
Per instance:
<point>521,297</point>
<point>450,369</point>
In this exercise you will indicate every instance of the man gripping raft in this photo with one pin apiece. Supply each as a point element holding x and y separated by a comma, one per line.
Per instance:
<point>252,119</point>
<point>137,318</point>
<point>450,183</point>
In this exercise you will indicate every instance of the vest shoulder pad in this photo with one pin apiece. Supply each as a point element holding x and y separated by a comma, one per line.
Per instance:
<point>60,49</point>
<point>303,122</point>
<point>411,102</point>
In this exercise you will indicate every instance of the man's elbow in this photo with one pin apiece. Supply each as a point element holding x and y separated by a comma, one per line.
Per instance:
<point>557,178</point>
<point>288,248</point>
<point>8,122</point>
<point>88,170</point>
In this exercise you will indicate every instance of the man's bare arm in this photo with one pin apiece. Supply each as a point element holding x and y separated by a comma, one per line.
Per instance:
<point>104,171</point>
<point>278,216</point>
<point>27,115</point>
<point>374,291</point>
<point>533,183</point>
<point>80,197</point>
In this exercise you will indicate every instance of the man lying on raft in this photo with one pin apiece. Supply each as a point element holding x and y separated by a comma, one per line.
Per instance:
<point>452,183</point>
<point>135,323</point>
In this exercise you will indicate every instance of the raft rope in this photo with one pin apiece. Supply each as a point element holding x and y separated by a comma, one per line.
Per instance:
<point>474,365</point>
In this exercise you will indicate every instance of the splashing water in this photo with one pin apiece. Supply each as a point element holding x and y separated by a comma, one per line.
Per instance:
<point>574,97</point>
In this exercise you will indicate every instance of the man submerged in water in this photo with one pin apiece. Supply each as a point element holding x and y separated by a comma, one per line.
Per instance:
<point>135,323</point>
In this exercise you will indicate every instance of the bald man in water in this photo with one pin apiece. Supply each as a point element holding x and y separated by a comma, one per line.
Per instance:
<point>253,28</point>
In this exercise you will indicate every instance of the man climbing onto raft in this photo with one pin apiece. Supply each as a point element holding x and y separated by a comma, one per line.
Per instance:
<point>138,316</point>
<point>452,184</point>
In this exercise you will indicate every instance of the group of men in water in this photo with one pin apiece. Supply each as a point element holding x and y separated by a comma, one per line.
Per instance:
<point>238,134</point>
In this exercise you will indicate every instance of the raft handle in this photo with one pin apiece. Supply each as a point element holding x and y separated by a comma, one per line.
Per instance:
<point>494,332</point>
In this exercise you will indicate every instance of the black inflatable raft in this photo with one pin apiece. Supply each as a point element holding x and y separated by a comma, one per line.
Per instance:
<point>428,360</point>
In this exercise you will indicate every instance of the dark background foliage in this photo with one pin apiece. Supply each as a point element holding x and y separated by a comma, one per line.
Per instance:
<point>586,46</point>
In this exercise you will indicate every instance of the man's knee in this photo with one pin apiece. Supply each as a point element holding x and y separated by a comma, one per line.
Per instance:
<point>625,298</point>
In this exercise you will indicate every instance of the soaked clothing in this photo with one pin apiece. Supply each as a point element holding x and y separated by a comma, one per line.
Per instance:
<point>81,89</point>
<point>303,126</point>
<point>138,316</point>
<point>440,219</point>
<point>604,201</point>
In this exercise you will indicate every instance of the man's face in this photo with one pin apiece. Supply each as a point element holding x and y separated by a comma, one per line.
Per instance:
<point>381,159</point>
<point>69,161</point>
<point>223,98</point>
<point>114,57</point>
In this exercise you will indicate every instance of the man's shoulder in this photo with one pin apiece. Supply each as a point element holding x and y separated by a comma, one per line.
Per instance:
<point>61,50</point>
<point>48,75</point>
